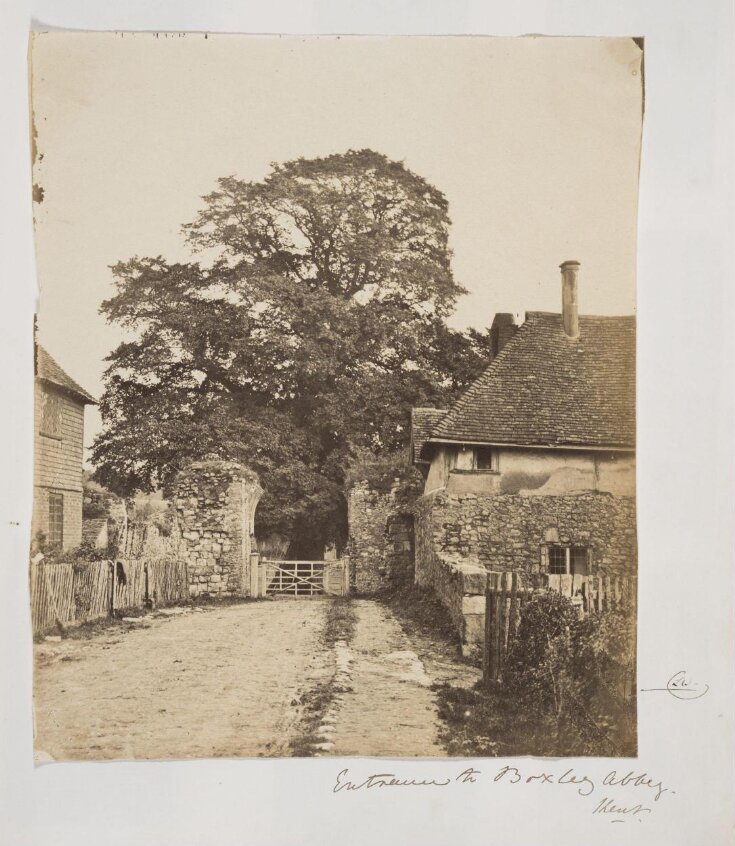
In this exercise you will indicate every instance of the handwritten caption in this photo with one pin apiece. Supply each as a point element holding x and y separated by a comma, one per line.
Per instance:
<point>616,797</point>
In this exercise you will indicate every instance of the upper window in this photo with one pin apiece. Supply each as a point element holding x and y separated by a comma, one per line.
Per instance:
<point>51,416</point>
<point>568,560</point>
<point>473,458</point>
<point>486,458</point>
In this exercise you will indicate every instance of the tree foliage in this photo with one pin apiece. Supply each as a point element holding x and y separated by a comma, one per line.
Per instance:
<point>317,322</point>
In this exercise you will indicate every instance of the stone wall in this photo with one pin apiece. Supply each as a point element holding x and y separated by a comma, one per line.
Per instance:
<point>507,532</point>
<point>460,587</point>
<point>399,553</point>
<point>368,511</point>
<point>215,502</point>
<point>381,543</point>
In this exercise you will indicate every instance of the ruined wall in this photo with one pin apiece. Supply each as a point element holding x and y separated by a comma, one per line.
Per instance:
<point>368,511</point>
<point>215,502</point>
<point>381,543</point>
<point>507,532</point>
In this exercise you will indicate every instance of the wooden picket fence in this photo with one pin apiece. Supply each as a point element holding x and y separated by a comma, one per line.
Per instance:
<point>589,593</point>
<point>68,593</point>
<point>167,581</point>
<point>507,594</point>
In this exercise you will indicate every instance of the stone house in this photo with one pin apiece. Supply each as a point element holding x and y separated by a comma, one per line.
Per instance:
<point>58,452</point>
<point>533,468</point>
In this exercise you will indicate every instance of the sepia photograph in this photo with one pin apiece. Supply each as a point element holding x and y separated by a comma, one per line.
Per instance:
<point>335,396</point>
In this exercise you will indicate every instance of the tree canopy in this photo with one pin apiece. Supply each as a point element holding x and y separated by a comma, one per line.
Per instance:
<point>317,322</point>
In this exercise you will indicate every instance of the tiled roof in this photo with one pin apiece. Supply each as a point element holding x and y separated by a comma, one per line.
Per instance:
<point>423,421</point>
<point>546,389</point>
<point>49,371</point>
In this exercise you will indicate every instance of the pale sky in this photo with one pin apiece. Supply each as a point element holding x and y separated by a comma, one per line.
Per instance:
<point>534,141</point>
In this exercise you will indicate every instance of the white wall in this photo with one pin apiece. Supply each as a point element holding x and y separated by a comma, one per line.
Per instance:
<point>537,472</point>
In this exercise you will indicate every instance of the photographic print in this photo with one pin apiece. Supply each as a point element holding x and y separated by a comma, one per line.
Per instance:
<point>335,425</point>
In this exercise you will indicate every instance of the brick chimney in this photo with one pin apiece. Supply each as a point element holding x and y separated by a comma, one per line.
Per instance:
<point>569,306</point>
<point>502,330</point>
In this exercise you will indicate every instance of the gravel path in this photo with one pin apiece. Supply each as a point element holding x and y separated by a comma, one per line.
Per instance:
<point>202,684</point>
<point>388,708</point>
<point>229,681</point>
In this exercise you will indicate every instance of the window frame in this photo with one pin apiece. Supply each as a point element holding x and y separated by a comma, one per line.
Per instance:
<point>492,452</point>
<point>568,549</point>
<point>473,468</point>
<point>56,505</point>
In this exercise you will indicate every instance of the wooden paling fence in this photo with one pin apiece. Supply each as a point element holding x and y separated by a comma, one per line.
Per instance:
<point>167,581</point>
<point>52,595</point>
<point>508,593</point>
<point>590,593</point>
<point>66,593</point>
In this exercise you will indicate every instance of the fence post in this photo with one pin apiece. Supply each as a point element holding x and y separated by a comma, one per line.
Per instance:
<point>487,644</point>
<point>254,575</point>
<point>513,619</point>
<point>345,575</point>
<point>493,612</point>
<point>111,571</point>
<point>502,626</point>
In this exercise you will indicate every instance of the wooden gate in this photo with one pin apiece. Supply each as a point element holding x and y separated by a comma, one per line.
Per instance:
<point>303,578</point>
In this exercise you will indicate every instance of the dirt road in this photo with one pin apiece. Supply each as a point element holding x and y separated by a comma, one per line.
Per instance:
<point>230,681</point>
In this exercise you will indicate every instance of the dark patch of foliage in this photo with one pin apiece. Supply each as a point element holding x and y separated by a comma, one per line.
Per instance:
<point>568,689</point>
<point>77,555</point>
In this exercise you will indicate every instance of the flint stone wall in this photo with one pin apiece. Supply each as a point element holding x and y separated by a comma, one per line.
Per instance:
<point>215,502</point>
<point>381,545</point>
<point>461,536</point>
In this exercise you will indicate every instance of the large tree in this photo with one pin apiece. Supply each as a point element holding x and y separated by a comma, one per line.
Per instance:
<point>316,323</point>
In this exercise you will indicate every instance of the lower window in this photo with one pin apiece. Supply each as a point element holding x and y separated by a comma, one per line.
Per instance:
<point>56,520</point>
<point>568,560</point>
